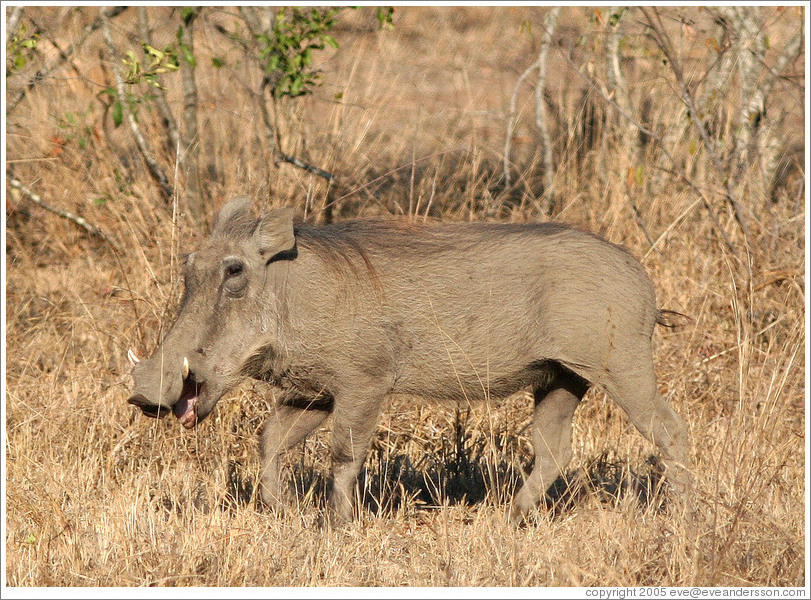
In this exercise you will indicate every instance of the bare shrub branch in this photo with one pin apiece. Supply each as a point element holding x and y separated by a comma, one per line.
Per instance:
<point>677,169</point>
<point>666,46</point>
<point>511,123</point>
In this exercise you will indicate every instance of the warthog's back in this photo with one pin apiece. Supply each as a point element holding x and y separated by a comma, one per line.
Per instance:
<point>474,309</point>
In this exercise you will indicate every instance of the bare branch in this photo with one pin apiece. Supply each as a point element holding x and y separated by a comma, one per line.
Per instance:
<point>787,56</point>
<point>660,142</point>
<point>511,123</point>
<point>76,219</point>
<point>665,45</point>
<point>190,141</point>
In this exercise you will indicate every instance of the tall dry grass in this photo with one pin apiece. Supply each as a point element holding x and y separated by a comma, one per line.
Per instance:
<point>98,495</point>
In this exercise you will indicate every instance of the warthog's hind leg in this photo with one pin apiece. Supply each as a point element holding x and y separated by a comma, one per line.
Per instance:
<point>551,438</point>
<point>651,414</point>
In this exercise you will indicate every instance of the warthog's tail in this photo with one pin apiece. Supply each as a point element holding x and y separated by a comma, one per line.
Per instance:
<point>672,319</point>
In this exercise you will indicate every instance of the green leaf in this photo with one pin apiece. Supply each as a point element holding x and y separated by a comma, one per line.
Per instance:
<point>188,14</point>
<point>118,114</point>
<point>217,62</point>
<point>154,52</point>
<point>385,16</point>
<point>187,55</point>
<point>329,40</point>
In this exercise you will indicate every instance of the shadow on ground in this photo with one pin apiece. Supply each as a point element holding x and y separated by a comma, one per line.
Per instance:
<point>461,472</point>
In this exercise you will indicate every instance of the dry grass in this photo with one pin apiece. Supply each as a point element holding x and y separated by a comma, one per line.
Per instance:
<point>98,495</point>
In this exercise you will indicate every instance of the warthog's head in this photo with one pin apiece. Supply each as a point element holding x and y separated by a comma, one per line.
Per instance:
<point>227,315</point>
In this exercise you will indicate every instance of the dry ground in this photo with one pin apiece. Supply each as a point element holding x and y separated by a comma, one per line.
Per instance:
<point>412,121</point>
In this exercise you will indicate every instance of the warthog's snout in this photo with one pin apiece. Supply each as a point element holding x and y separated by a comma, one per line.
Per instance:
<point>161,390</point>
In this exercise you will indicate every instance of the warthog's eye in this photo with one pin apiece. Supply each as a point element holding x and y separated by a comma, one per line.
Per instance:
<point>234,269</point>
<point>235,277</point>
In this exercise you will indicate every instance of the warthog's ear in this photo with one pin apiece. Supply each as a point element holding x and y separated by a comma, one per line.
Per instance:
<point>274,233</point>
<point>234,217</point>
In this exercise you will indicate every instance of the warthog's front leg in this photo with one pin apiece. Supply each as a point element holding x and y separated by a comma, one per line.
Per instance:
<point>286,426</point>
<point>354,420</point>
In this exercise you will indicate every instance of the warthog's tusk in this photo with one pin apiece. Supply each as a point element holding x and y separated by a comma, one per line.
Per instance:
<point>134,360</point>
<point>185,367</point>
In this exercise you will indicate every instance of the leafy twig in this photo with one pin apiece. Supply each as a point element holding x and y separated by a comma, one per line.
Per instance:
<point>271,132</point>
<point>106,13</point>
<point>160,97</point>
<point>152,165</point>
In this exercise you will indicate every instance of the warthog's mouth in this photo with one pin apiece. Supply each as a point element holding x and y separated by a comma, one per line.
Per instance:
<point>185,409</point>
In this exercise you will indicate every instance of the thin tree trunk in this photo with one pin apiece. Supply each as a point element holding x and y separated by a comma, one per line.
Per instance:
<point>541,116</point>
<point>190,157</point>
<point>615,81</point>
<point>13,21</point>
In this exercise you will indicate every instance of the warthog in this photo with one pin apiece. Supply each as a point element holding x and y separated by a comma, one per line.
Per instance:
<point>345,315</point>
